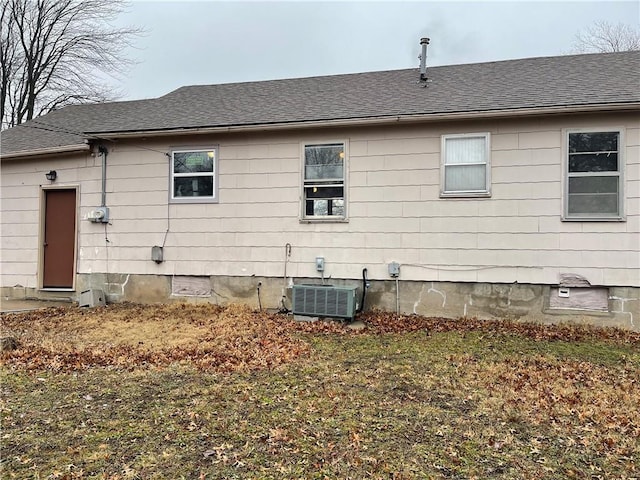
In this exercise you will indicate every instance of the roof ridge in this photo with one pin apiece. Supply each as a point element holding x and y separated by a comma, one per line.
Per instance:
<point>395,70</point>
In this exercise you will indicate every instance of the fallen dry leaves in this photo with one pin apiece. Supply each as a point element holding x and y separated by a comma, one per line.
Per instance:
<point>386,322</point>
<point>229,338</point>
<point>588,405</point>
<point>405,397</point>
<point>207,336</point>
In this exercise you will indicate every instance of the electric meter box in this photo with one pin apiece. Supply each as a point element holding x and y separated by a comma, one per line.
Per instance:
<point>99,215</point>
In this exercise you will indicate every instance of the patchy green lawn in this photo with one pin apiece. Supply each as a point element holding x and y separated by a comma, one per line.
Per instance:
<point>239,394</point>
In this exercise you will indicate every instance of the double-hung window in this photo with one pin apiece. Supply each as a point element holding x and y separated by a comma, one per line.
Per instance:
<point>324,181</point>
<point>194,175</point>
<point>465,165</point>
<point>593,186</point>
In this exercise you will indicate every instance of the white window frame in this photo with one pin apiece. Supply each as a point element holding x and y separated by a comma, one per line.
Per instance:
<point>304,218</point>
<point>214,174</point>
<point>485,192</point>
<point>567,175</point>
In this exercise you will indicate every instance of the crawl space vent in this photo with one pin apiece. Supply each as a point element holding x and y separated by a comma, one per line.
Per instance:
<point>188,286</point>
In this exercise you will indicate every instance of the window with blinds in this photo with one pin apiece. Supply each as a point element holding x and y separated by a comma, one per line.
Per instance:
<point>465,166</point>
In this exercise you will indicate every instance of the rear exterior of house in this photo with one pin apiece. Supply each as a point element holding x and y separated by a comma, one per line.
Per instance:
<point>505,213</point>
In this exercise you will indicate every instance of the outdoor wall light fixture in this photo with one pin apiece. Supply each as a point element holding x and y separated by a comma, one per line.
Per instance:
<point>51,175</point>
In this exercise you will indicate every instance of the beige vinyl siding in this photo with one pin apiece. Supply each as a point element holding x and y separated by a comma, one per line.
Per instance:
<point>20,211</point>
<point>394,209</point>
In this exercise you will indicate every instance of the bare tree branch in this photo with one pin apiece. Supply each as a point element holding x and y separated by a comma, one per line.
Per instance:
<point>53,52</point>
<point>604,37</point>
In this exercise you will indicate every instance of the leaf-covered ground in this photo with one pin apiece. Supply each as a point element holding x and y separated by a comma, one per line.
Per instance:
<point>207,392</point>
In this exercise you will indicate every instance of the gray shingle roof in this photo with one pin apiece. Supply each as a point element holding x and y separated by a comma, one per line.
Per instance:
<point>533,83</point>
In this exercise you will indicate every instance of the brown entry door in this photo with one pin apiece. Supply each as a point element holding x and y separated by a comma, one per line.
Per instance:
<point>59,238</point>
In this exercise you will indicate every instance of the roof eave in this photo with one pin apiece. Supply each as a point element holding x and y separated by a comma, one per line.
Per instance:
<point>356,121</point>
<point>381,120</point>
<point>41,152</point>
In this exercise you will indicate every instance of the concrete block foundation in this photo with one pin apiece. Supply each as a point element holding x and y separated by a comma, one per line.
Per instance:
<point>525,302</point>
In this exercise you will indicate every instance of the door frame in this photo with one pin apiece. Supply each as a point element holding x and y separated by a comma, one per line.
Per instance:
<point>43,206</point>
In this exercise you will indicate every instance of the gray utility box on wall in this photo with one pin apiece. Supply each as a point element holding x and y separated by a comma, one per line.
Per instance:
<point>324,301</point>
<point>91,298</point>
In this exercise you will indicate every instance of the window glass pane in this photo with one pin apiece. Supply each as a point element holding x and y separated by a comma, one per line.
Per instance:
<point>324,192</point>
<point>593,142</point>
<point>465,178</point>
<point>593,162</point>
<point>321,207</point>
<point>324,208</point>
<point>583,204</point>
<point>593,184</point>
<point>308,208</point>
<point>323,162</point>
<point>465,150</point>
<point>593,196</point>
<point>193,186</point>
<point>192,162</point>
<point>324,201</point>
<point>337,207</point>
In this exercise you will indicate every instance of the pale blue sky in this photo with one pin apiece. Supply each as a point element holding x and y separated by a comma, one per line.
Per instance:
<point>205,42</point>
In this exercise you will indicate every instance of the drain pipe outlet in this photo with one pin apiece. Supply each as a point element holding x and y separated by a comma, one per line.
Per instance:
<point>365,285</point>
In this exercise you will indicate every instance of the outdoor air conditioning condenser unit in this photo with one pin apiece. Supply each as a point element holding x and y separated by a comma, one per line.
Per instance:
<point>324,301</point>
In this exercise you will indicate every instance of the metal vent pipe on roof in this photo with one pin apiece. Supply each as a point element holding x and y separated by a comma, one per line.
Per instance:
<point>423,58</point>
